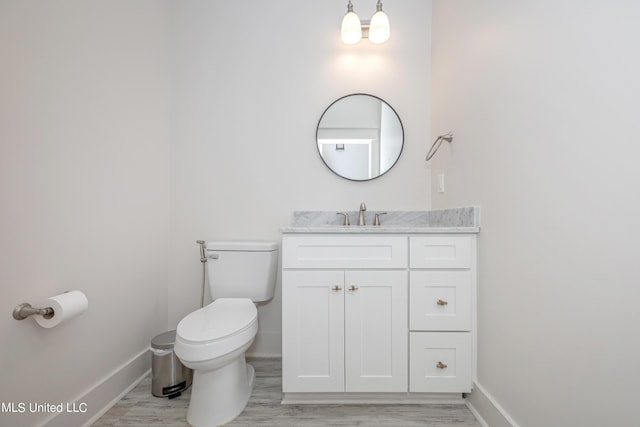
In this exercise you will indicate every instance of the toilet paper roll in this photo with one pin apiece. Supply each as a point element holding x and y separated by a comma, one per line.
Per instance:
<point>65,306</point>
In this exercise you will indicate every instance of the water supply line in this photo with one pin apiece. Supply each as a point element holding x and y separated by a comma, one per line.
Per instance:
<point>203,260</point>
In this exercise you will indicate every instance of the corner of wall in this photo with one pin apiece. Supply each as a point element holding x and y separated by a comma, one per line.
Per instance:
<point>487,410</point>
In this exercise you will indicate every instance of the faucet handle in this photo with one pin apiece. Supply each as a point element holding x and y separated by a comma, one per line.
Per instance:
<point>376,220</point>
<point>346,217</point>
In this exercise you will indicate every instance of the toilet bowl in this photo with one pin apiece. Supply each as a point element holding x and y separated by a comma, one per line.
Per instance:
<point>212,341</point>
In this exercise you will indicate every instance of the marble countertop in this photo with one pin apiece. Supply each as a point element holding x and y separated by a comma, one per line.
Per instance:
<point>382,229</point>
<point>458,220</point>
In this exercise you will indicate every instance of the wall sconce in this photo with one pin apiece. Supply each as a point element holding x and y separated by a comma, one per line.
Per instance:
<point>377,30</point>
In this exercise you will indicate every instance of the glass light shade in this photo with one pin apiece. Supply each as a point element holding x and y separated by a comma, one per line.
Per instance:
<point>379,31</point>
<point>351,32</point>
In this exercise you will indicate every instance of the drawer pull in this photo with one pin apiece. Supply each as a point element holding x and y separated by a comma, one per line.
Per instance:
<point>441,302</point>
<point>353,288</point>
<point>336,288</point>
<point>441,365</point>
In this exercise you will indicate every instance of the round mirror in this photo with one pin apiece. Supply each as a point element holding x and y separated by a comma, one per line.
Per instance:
<point>360,137</point>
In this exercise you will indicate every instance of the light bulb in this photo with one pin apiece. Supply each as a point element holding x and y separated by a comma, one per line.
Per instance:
<point>351,31</point>
<point>379,31</point>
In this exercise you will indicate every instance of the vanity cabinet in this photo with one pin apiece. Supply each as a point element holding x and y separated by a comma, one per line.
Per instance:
<point>378,313</point>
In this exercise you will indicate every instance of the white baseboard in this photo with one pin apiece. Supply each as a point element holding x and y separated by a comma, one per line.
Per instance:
<point>266,344</point>
<point>487,410</point>
<point>99,398</point>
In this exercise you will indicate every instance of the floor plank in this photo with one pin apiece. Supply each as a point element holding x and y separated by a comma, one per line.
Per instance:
<point>140,408</point>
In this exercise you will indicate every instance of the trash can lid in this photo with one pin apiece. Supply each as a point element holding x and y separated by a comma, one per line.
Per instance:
<point>164,341</point>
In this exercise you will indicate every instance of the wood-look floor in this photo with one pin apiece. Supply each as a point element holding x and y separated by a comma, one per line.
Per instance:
<point>140,408</point>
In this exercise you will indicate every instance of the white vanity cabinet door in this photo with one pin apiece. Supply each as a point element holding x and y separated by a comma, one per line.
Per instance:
<point>312,331</point>
<point>376,342</point>
<point>344,331</point>
<point>440,362</point>
<point>440,300</point>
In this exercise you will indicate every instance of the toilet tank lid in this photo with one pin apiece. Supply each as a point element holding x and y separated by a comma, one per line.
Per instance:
<point>242,246</point>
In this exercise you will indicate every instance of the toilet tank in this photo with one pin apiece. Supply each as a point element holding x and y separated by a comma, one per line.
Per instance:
<point>242,269</point>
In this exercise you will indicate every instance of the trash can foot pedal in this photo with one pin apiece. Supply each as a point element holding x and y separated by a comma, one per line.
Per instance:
<point>174,389</point>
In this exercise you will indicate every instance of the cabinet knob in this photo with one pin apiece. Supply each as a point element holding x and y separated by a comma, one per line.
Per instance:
<point>441,365</point>
<point>336,288</point>
<point>353,288</point>
<point>441,302</point>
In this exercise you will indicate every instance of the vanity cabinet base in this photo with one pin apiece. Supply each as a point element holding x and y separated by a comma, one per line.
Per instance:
<point>378,318</point>
<point>372,398</point>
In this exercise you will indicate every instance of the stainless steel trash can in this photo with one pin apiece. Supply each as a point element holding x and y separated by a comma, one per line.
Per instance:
<point>169,377</point>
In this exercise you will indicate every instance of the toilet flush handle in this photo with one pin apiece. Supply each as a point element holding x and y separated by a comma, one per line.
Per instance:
<point>213,256</point>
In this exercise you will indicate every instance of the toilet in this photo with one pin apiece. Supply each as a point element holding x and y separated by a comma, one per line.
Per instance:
<point>212,340</point>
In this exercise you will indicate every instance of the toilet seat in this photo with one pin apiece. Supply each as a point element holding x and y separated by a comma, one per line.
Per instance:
<point>220,319</point>
<point>216,329</point>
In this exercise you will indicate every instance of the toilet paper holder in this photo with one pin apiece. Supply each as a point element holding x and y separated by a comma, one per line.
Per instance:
<point>25,310</point>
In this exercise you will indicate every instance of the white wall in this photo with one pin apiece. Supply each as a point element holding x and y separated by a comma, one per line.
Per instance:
<point>83,194</point>
<point>542,98</point>
<point>249,84</point>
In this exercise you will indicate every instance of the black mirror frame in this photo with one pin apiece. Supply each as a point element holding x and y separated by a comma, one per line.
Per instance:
<point>381,100</point>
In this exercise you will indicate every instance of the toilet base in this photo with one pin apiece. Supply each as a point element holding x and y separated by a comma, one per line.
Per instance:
<point>220,395</point>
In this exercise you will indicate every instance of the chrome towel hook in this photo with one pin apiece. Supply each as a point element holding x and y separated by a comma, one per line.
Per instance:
<point>437,143</point>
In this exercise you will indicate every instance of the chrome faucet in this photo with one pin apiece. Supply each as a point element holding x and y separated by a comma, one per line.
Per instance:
<point>361,214</point>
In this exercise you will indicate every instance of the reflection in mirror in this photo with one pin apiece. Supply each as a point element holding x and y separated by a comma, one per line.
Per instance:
<point>360,137</point>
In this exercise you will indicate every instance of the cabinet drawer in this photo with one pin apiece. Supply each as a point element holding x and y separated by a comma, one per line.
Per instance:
<point>344,252</point>
<point>440,300</point>
<point>440,252</point>
<point>440,362</point>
